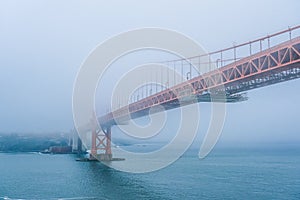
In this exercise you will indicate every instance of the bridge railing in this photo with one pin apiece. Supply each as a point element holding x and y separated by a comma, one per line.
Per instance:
<point>202,64</point>
<point>194,66</point>
<point>220,58</point>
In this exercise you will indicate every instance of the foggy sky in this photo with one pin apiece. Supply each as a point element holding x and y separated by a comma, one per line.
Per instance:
<point>43,44</point>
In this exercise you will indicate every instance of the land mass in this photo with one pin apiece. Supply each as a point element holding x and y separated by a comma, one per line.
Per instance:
<point>31,143</point>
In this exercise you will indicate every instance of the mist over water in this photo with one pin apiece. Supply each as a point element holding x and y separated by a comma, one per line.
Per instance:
<point>43,45</point>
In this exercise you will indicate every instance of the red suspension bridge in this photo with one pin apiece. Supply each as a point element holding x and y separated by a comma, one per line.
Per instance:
<point>268,64</point>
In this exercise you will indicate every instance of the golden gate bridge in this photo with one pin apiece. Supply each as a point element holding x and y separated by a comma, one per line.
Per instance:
<point>264,65</point>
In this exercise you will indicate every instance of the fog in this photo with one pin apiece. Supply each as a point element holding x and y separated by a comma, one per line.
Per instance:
<point>44,43</point>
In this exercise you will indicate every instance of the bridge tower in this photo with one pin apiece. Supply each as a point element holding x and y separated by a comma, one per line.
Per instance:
<point>101,144</point>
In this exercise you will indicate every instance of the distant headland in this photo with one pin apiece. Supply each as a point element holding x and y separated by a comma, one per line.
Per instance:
<point>46,143</point>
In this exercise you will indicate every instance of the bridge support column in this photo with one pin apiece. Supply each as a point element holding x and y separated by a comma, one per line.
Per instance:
<point>101,145</point>
<point>108,141</point>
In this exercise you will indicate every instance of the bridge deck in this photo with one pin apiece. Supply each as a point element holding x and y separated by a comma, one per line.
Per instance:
<point>276,64</point>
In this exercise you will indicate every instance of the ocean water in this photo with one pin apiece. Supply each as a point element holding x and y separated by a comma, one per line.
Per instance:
<point>224,174</point>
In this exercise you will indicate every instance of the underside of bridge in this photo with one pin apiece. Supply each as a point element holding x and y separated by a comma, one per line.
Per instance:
<point>225,84</point>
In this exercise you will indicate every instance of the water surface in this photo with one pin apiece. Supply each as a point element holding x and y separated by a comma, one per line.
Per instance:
<point>224,174</point>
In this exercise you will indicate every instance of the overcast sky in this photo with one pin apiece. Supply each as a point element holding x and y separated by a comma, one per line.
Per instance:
<point>43,44</point>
